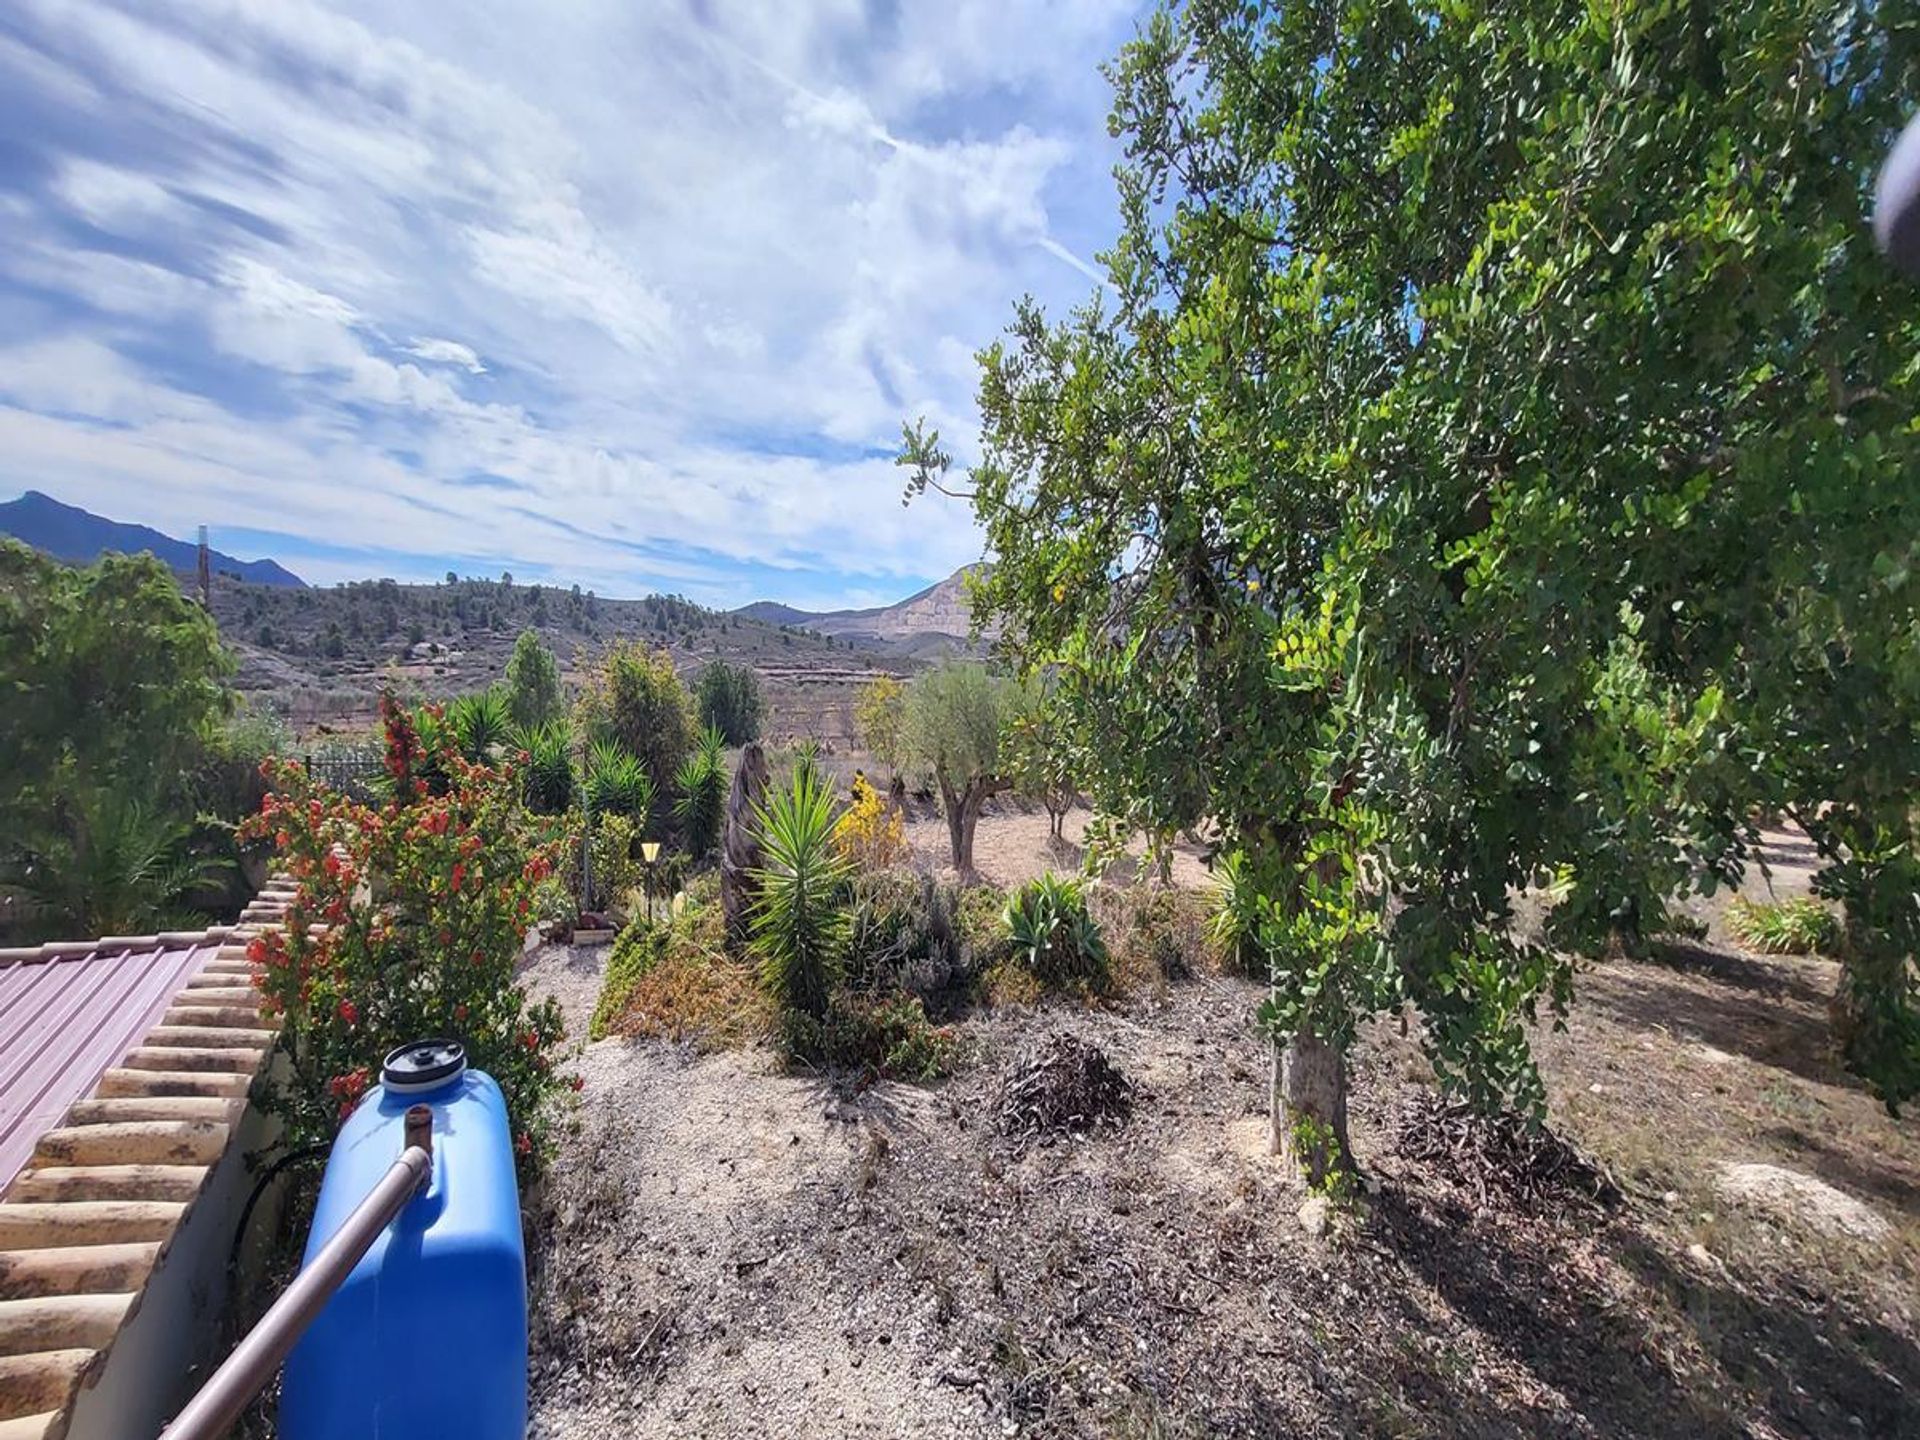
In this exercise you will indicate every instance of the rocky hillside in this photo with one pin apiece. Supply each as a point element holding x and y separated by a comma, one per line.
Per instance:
<point>934,621</point>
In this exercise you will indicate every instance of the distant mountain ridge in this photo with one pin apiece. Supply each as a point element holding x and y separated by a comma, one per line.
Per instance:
<point>69,533</point>
<point>935,619</point>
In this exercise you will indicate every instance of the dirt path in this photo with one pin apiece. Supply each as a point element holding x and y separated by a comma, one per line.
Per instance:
<point>571,974</point>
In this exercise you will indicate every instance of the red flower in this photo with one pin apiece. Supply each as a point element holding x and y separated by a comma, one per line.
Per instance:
<point>459,873</point>
<point>523,1143</point>
<point>460,1013</point>
<point>579,1082</point>
<point>349,1012</point>
<point>257,950</point>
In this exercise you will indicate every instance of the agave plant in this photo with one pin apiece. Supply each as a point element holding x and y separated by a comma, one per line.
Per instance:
<point>1053,933</point>
<point>799,924</point>
<point>547,781</point>
<point>479,724</point>
<point>702,783</point>
<point>618,783</point>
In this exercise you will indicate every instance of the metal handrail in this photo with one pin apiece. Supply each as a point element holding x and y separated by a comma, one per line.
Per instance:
<point>245,1373</point>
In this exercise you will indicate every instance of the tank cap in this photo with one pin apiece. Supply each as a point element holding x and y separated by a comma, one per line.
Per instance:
<point>423,1065</point>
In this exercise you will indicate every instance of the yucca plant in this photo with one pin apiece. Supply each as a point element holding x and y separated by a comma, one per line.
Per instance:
<point>806,762</point>
<point>1054,935</point>
<point>546,782</point>
<point>1234,924</point>
<point>618,783</point>
<point>799,924</point>
<point>702,783</point>
<point>1790,927</point>
<point>479,723</point>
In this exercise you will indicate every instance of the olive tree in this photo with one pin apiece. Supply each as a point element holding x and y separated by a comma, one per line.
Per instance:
<point>1482,472</point>
<point>952,726</point>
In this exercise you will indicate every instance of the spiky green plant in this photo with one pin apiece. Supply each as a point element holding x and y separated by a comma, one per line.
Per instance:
<point>618,783</point>
<point>1234,924</point>
<point>1790,927</point>
<point>702,783</point>
<point>806,761</point>
<point>116,866</point>
<point>547,779</point>
<point>1054,935</point>
<point>798,921</point>
<point>479,723</point>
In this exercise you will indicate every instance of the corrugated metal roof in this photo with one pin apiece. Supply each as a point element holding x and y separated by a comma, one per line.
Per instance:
<point>139,1112</point>
<point>64,1020</point>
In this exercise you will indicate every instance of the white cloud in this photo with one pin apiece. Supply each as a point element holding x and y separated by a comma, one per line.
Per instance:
<point>448,352</point>
<point>710,265</point>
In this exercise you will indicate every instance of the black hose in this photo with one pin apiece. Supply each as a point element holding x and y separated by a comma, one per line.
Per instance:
<point>305,1152</point>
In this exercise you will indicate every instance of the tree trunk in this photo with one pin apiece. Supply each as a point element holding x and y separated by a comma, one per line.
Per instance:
<point>963,814</point>
<point>1309,1113</point>
<point>740,843</point>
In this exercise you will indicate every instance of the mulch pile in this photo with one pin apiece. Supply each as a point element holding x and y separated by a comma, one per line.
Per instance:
<point>1063,1085</point>
<point>1499,1157</point>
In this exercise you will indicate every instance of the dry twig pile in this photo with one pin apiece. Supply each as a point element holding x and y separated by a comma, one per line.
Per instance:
<point>1064,1085</point>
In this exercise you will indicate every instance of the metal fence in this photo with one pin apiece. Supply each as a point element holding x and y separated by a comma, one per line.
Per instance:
<point>349,774</point>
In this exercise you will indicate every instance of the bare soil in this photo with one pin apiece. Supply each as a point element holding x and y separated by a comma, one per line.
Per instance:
<point>726,1249</point>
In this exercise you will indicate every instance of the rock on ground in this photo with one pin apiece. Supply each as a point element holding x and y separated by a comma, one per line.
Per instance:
<point>1796,1199</point>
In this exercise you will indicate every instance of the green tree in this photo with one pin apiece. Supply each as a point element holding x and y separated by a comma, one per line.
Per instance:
<point>116,689</point>
<point>1040,755</point>
<point>878,711</point>
<point>533,681</point>
<point>1492,465</point>
<point>728,698</point>
<point>952,726</point>
<point>634,698</point>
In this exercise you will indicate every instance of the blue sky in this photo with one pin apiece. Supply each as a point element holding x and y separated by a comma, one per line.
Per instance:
<point>629,294</point>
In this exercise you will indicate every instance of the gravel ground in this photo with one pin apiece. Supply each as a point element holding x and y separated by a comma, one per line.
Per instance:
<point>725,1249</point>
<point>572,975</point>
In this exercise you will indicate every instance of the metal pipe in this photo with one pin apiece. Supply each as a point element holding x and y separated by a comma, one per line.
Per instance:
<point>245,1372</point>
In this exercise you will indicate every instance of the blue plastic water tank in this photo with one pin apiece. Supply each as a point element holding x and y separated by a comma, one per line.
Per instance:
<point>428,1336</point>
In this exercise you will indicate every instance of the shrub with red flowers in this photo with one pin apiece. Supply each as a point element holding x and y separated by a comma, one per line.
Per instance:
<point>407,922</point>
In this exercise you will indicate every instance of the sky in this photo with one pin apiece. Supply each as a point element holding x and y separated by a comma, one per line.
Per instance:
<point>633,295</point>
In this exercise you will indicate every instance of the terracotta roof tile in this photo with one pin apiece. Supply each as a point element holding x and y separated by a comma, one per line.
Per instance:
<point>124,1070</point>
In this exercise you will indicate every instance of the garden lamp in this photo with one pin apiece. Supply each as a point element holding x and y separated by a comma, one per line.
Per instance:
<point>649,854</point>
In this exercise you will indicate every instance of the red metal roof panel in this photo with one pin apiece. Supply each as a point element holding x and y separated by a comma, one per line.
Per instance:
<point>65,1019</point>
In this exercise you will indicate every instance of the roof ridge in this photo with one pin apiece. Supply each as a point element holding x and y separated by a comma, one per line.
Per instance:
<point>72,949</point>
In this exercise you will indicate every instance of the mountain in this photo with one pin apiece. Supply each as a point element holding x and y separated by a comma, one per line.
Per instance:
<point>69,533</point>
<point>935,620</point>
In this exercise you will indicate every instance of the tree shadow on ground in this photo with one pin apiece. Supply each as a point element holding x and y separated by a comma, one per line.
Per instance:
<point>1533,1308</point>
<point>1847,1170</point>
<point>1778,1364</point>
<point>1783,1025</point>
<point>1806,1366</point>
<point>1768,978</point>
